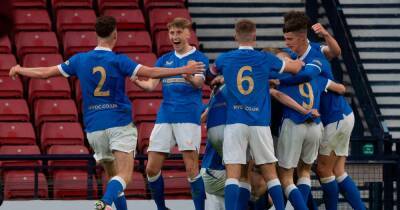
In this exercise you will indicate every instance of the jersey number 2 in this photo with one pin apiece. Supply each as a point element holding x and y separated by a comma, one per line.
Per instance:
<point>309,95</point>
<point>240,79</point>
<point>98,92</point>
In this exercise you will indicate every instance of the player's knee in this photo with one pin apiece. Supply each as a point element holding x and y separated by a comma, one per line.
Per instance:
<point>323,170</point>
<point>152,171</point>
<point>338,171</point>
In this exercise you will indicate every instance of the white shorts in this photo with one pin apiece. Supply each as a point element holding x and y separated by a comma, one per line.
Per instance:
<point>103,142</point>
<point>336,137</point>
<point>215,137</point>
<point>215,202</point>
<point>298,141</point>
<point>214,181</point>
<point>165,135</point>
<point>237,138</point>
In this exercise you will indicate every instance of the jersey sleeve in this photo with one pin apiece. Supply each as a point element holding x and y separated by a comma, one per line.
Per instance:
<point>323,83</point>
<point>276,63</point>
<point>310,71</point>
<point>206,62</point>
<point>68,68</point>
<point>128,67</point>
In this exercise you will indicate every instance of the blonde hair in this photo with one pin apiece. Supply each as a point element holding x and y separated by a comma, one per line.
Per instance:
<point>179,22</point>
<point>245,30</point>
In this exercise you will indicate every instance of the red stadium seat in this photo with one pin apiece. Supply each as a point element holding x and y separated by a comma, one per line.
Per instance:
<point>136,188</point>
<point>127,19</point>
<point>35,42</point>
<point>144,132</point>
<point>29,3</point>
<point>150,4</point>
<point>72,184</point>
<point>57,4</point>
<point>55,87</point>
<point>31,20</point>
<point>61,133</point>
<point>164,44</point>
<point>11,87</point>
<point>145,109</point>
<point>5,45</point>
<point>68,150</point>
<point>17,133</point>
<point>43,60</point>
<point>57,110</point>
<point>21,184</point>
<point>133,41</point>
<point>75,20</point>
<point>20,150</point>
<point>14,110</point>
<point>176,184</point>
<point>177,163</point>
<point>206,91</point>
<point>79,41</point>
<point>117,4</point>
<point>7,61</point>
<point>203,134</point>
<point>147,59</point>
<point>160,17</point>
<point>134,92</point>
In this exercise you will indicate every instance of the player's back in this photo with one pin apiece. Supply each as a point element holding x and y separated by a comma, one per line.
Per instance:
<point>246,74</point>
<point>101,74</point>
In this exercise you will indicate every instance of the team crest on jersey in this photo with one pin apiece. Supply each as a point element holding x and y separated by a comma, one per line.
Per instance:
<point>168,63</point>
<point>67,62</point>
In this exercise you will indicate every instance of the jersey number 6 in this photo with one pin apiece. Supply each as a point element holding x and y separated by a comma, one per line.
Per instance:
<point>98,92</point>
<point>240,79</point>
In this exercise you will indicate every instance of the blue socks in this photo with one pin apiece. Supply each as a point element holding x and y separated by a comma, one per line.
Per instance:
<point>244,196</point>
<point>350,192</point>
<point>331,192</point>
<point>198,192</point>
<point>304,185</point>
<point>295,197</point>
<point>276,193</point>
<point>120,202</point>
<point>261,203</point>
<point>231,193</point>
<point>156,185</point>
<point>114,188</point>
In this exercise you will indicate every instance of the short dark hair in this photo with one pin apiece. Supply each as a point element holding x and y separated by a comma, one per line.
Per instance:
<point>180,22</point>
<point>295,21</point>
<point>244,29</point>
<point>105,25</point>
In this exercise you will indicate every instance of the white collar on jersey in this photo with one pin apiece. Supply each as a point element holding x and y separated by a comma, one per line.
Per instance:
<point>306,53</point>
<point>246,48</point>
<point>102,48</point>
<point>180,56</point>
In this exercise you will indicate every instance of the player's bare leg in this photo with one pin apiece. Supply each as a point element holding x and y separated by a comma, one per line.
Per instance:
<point>325,166</point>
<point>269,174</point>
<point>292,193</point>
<point>155,179</point>
<point>191,160</point>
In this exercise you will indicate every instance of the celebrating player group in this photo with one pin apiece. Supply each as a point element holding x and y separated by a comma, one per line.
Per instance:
<point>244,166</point>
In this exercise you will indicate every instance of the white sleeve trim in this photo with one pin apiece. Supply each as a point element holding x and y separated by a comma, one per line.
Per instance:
<point>65,74</point>
<point>327,85</point>
<point>283,67</point>
<point>200,75</point>
<point>311,64</point>
<point>136,70</point>
<point>322,48</point>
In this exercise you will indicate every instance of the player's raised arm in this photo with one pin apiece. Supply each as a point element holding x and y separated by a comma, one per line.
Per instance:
<point>336,87</point>
<point>157,72</point>
<point>332,48</point>
<point>147,85</point>
<point>37,72</point>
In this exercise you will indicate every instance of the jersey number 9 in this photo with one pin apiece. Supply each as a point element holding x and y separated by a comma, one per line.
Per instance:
<point>309,95</point>
<point>240,79</point>
<point>98,92</point>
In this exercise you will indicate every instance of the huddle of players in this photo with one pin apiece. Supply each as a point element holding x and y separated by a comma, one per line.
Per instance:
<point>316,123</point>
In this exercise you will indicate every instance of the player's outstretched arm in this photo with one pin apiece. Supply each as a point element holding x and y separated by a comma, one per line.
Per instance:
<point>336,87</point>
<point>292,66</point>
<point>147,85</point>
<point>196,80</point>
<point>37,72</point>
<point>332,50</point>
<point>157,72</point>
<point>288,101</point>
<point>310,71</point>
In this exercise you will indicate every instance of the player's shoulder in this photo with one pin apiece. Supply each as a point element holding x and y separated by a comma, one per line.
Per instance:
<point>167,55</point>
<point>200,55</point>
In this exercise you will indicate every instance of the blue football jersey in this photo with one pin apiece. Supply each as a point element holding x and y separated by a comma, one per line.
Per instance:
<point>217,109</point>
<point>332,106</point>
<point>102,74</point>
<point>246,74</point>
<point>181,101</point>
<point>211,159</point>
